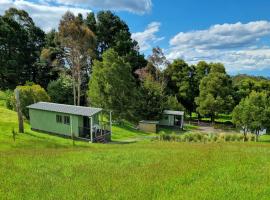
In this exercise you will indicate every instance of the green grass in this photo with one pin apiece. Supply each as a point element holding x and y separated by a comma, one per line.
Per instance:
<point>2,98</point>
<point>40,166</point>
<point>128,132</point>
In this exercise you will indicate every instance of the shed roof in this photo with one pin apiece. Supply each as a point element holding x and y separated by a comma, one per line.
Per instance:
<point>149,122</point>
<point>173,112</point>
<point>63,108</point>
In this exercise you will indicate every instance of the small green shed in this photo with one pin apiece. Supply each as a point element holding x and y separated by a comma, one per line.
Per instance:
<point>172,118</point>
<point>67,120</point>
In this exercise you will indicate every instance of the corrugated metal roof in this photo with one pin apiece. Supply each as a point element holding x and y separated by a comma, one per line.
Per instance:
<point>172,112</point>
<point>63,108</point>
<point>149,122</point>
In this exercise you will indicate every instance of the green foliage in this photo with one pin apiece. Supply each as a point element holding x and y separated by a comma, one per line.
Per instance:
<point>113,32</point>
<point>252,113</point>
<point>51,62</point>
<point>173,104</point>
<point>18,31</point>
<point>60,90</point>
<point>182,83</point>
<point>79,43</point>
<point>151,100</point>
<point>112,85</point>
<point>28,95</point>
<point>244,85</point>
<point>204,137</point>
<point>215,93</point>
<point>10,100</point>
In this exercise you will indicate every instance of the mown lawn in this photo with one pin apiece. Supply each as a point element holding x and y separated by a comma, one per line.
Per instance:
<point>39,166</point>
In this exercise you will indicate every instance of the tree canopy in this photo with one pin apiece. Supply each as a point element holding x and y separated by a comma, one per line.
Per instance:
<point>252,113</point>
<point>21,42</point>
<point>112,85</point>
<point>78,42</point>
<point>215,93</point>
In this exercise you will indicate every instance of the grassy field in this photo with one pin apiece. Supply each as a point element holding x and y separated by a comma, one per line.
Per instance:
<point>40,166</point>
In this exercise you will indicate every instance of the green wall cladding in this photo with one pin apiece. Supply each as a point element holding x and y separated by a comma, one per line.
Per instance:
<point>167,120</point>
<point>46,121</point>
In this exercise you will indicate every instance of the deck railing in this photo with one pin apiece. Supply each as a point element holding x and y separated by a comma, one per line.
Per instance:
<point>98,134</point>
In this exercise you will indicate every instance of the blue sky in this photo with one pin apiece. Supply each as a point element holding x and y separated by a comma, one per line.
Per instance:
<point>234,32</point>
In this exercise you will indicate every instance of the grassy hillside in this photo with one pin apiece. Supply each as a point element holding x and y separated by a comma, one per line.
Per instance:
<point>39,166</point>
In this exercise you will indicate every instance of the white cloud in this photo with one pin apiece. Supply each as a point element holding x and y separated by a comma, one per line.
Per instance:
<point>148,38</point>
<point>223,36</point>
<point>236,45</point>
<point>135,6</point>
<point>47,13</point>
<point>44,15</point>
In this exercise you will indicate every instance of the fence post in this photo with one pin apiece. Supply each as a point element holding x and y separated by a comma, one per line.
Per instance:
<point>19,111</point>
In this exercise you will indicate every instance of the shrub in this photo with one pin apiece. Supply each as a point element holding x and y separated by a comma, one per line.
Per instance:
<point>235,137</point>
<point>241,137</point>
<point>203,137</point>
<point>251,137</point>
<point>215,138</point>
<point>228,137</point>
<point>7,97</point>
<point>61,90</point>
<point>28,95</point>
<point>221,137</point>
<point>164,136</point>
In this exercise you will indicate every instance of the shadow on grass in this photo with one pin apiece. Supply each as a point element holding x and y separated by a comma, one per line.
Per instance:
<point>51,143</point>
<point>36,136</point>
<point>131,129</point>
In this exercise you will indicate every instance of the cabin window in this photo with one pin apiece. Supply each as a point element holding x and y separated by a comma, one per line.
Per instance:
<point>58,118</point>
<point>165,117</point>
<point>66,120</point>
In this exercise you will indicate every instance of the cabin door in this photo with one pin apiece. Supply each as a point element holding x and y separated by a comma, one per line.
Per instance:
<point>177,120</point>
<point>86,122</point>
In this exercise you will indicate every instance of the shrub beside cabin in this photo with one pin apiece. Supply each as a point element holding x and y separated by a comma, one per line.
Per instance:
<point>71,121</point>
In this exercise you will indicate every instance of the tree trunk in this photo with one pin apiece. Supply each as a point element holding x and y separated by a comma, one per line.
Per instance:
<point>212,119</point>
<point>257,135</point>
<point>245,134</point>
<point>79,88</point>
<point>74,92</point>
<point>74,87</point>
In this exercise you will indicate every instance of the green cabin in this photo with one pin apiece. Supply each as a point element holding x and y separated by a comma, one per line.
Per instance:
<point>71,121</point>
<point>172,118</point>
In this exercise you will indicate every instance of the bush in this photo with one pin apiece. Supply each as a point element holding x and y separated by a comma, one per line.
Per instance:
<point>235,137</point>
<point>214,138</point>
<point>228,137</point>
<point>28,95</point>
<point>61,90</point>
<point>203,137</point>
<point>10,100</point>
<point>251,137</point>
